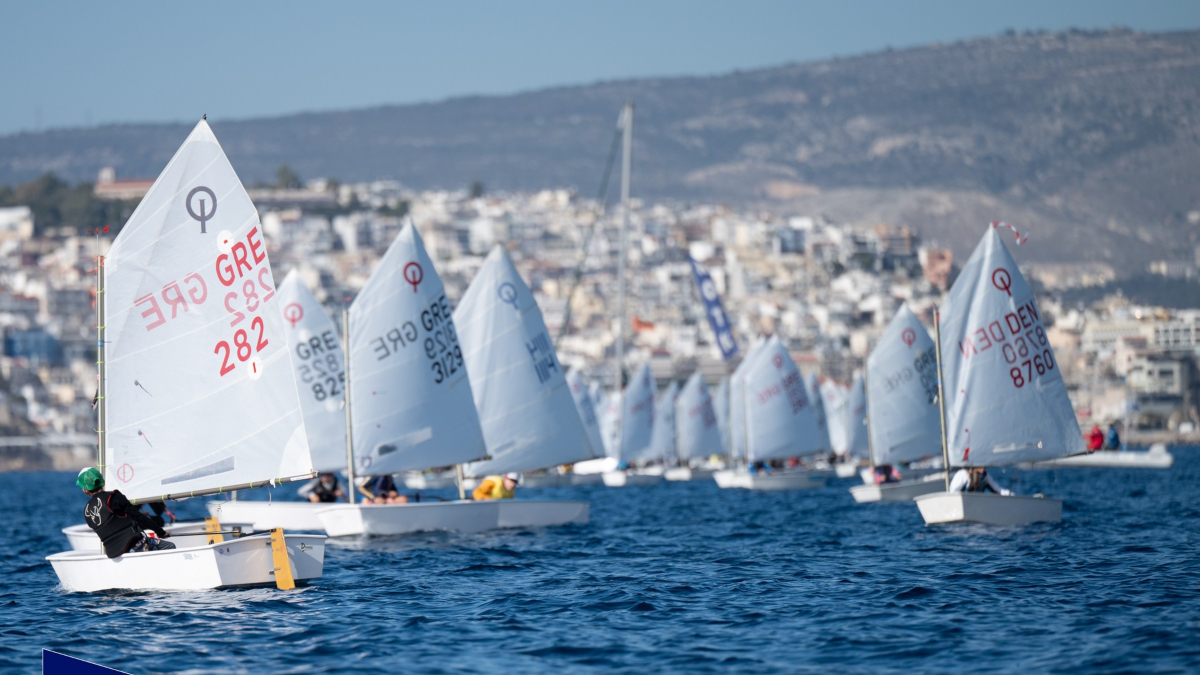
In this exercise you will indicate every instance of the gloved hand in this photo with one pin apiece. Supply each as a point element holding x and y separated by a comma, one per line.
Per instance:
<point>162,534</point>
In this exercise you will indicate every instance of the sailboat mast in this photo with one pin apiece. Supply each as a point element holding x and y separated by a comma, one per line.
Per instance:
<point>937,347</point>
<point>101,405</point>
<point>626,168</point>
<point>350,487</point>
<point>867,395</point>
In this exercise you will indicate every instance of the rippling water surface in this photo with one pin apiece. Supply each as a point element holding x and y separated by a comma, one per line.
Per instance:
<point>674,578</point>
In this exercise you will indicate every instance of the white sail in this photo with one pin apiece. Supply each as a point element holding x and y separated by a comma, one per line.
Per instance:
<point>587,412</point>
<point>200,392</point>
<point>818,403</point>
<point>856,419</point>
<point>1005,398</point>
<point>721,408</point>
<point>528,415</point>
<point>662,438</point>
<point>836,400</point>
<point>609,408</point>
<point>410,398</point>
<point>637,422</point>
<point>780,421</point>
<point>320,374</point>
<point>902,390</point>
<point>699,436</point>
<point>737,402</point>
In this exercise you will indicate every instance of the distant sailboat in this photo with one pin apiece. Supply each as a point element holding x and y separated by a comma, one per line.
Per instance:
<point>777,421</point>
<point>699,438</point>
<point>664,439</point>
<point>1003,397</point>
<point>197,395</point>
<point>903,425</point>
<point>636,424</point>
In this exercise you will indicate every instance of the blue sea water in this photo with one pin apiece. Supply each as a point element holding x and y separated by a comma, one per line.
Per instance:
<point>674,578</point>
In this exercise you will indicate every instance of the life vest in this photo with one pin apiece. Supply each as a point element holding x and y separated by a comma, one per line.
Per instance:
<point>492,487</point>
<point>117,533</point>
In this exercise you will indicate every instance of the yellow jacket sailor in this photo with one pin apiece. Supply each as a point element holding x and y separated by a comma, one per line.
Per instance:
<point>497,487</point>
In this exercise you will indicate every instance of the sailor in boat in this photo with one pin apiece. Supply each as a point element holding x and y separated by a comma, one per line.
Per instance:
<point>382,490</point>
<point>119,524</point>
<point>497,487</point>
<point>326,490</point>
<point>886,473</point>
<point>1113,442</point>
<point>976,479</point>
<point>1095,439</point>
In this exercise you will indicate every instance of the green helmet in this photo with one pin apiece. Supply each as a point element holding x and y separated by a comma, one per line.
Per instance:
<point>90,479</point>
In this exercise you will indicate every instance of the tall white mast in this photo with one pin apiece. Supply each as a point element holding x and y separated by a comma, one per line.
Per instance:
<point>350,487</point>
<point>626,169</point>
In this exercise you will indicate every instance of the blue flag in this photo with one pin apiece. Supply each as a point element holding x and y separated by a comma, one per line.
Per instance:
<point>716,313</point>
<point>54,663</point>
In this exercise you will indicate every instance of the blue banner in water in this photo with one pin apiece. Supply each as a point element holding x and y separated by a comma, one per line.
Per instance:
<point>54,663</point>
<point>714,310</point>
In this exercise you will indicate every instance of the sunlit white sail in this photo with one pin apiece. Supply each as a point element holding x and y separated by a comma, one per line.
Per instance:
<point>200,393</point>
<point>902,390</point>
<point>737,402</point>
<point>699,436</point>
<point>721,408</point>
<point>836,400</point>
<point>780,421</point>
<point>528,415</point>
<point>411,402</point>
<point>320,374</point>
<point>637,423</point>
<point>587,412</point>
<point>1005,397</point>
<point>663,439</point>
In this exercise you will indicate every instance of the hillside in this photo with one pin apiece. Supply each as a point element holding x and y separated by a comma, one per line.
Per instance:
<point>1089,140</point>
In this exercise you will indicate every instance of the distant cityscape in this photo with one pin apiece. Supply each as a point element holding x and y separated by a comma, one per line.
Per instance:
<point>826,289</point>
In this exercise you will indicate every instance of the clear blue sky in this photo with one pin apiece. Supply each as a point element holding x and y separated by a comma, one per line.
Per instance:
<point>81,63</point>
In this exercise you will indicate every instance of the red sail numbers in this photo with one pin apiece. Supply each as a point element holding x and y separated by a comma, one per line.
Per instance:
<point>1022,340</point>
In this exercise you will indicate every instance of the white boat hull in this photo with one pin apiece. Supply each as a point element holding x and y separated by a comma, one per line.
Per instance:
<point>381,520</point>
<point>940,508</point>
<point>626,479</point>
<point>260,516</point>
<point>183,535</point>
<point>244,561</point>
<point>846,470</point>
<point>904,491</point>
<point>788,480</point>
<point>1155,458</point>
<point>683,474</point>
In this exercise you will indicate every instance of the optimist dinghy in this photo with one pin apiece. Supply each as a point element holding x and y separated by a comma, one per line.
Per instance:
<point>196,392</point>
<point>319,368</point>
<point>775,418</point>
<point>1003,400</point>
<point>903,424</point>
<point>81,537</point>
<point>633,431</point>
<point>699,437</point>
<point>1157,457</point>
<point>411,402</point>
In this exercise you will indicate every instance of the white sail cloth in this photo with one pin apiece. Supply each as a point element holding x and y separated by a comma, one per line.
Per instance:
<point>1005,398</point>
<point>856,419</point>
<point>780,421</point>
<point>721,408</point>
<point>587,412</point>
<point>318,362</point>
<point>699,435</point>
<point>637,417</point>
<point>902,390</point>
<point>410,398</point>
<point>528,415</point>
<point>609,408</point>
<point>836,399</point>
<point>663,438</point>
<point>818,403</point>
<point>200,392</point>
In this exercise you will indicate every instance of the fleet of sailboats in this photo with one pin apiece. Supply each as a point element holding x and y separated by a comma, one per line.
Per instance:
<point>212,380</point>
